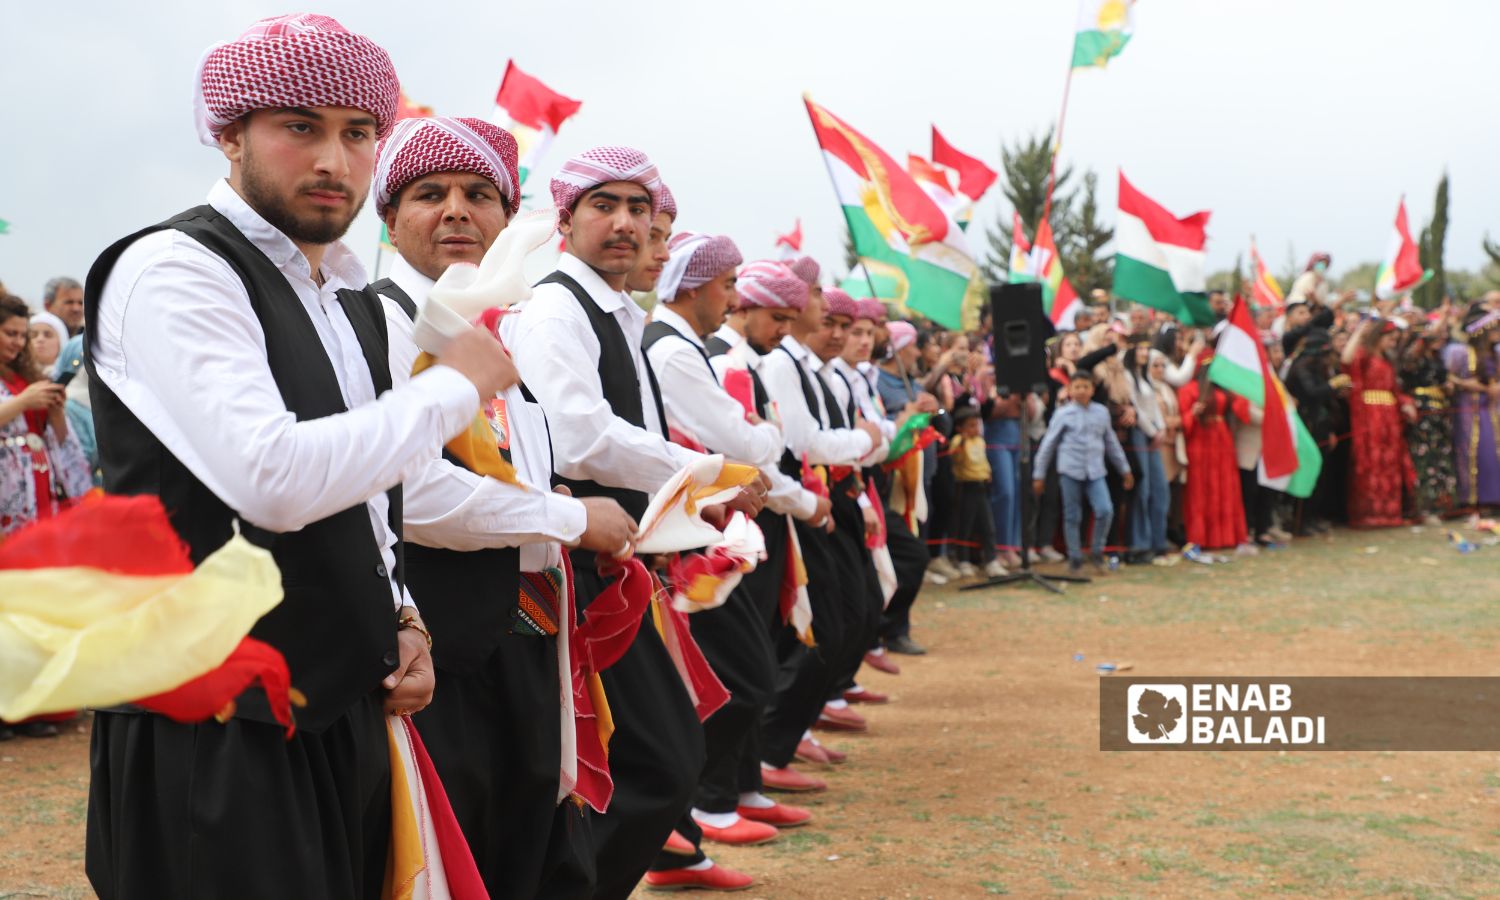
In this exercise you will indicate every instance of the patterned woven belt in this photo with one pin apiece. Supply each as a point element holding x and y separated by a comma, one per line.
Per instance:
<point>1378,398</point>
<point>29,441</point>
<point>537,608</point>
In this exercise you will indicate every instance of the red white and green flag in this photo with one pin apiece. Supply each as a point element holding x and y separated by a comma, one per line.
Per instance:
<point>532,112</point>
<point>1020,252</point>
<point>1265,291</point>
<point>1402,269</point>
<point>935,182</point>
<point>1290,460</point>
<point>894,223</point>
<point>1058,296</point>
<point>1104,28</point>
<point>1159,258</point>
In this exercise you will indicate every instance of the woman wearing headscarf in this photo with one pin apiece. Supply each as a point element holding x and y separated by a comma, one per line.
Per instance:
<point>48,334</point>
<point>1430,385</point>
<point>1212,509</point>
<point>1380,466</point>
<point>1476,422</point>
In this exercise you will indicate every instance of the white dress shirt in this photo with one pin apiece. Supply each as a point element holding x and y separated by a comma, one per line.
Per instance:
<point>557,354</point>
<point>844,381</point>
<point>696,400</point>
<point>787,495</point>
<point>179,343</point>
<point>802,425</point>
<point>450,507</point>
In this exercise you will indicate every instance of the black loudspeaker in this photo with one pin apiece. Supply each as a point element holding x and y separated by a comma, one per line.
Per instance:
<point>1021,331</point>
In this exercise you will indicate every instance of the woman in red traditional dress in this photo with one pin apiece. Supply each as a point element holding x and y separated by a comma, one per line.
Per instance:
<point>1380,466</point>
<point>1213,512</point>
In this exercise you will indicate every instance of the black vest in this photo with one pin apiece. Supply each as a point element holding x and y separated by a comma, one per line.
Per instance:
<point>716,346</point>
<point>467,597</point>
<point>336,625</point>
<point>622,390</point>
<point>655,331</point>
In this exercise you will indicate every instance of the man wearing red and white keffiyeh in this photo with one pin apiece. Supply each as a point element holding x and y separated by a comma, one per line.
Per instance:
<point>232,378</point>
<point>512,727</point>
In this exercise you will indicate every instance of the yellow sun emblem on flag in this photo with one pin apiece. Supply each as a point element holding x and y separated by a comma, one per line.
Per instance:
<point>1112,15</point>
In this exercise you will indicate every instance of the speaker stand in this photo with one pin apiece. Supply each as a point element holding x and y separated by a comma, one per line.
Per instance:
<point>1027,575</point>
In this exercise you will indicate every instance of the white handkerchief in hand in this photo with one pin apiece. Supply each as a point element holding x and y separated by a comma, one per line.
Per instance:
<point>674,520</point>
<point>465,290</point>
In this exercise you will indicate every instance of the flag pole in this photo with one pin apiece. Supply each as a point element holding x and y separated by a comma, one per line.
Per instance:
<point>1062,116</point>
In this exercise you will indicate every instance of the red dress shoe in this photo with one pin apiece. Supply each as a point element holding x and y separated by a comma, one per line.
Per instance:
<point>834,719</point>
<point>679,845</point>
<point>713,878</point>
<point>745,832</point>
<point>865,695</point>
<point>809,752</point>
<point>837,757</point>
<point>781,815</point>
<point>789,779</point>
<point>882,662</point>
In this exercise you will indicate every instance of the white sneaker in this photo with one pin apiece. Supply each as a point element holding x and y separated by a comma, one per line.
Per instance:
<point>932,577</point>
<point>995,570</point>
<point>944,567</point>
<point>1050,555</point>
<point>1281,535</point>
<point>1246,549</point>
<point>967,569</point>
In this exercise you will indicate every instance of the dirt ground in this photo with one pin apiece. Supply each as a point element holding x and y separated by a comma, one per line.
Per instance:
<point>983,776</point>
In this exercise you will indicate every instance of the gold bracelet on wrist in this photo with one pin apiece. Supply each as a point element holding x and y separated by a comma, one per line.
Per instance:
<point>415,624</point>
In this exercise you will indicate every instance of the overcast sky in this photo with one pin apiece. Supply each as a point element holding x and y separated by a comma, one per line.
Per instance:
<point>1301,121</point>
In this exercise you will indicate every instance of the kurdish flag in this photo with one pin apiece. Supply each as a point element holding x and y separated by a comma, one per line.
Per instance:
<point>1402,269</point>
<point>1058,296</point>
<point>532,112</point>
<point>1159,258</point>
<point>894,222</point>
<point>1020,252</point>
<point>1290,460</point>
<point>1104,28</point>
<point>1265,292</point>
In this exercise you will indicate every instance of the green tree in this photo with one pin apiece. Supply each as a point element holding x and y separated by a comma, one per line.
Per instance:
<point>1491,271</point>
<point>1083,236</point>
<point>1430,295</point>
<point>1025,171</point>
<point>1358,278</point>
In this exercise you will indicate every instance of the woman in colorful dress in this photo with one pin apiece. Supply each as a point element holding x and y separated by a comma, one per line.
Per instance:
<point>1426,380</point>
<point>1380,467</point>
<point>1476,421</point>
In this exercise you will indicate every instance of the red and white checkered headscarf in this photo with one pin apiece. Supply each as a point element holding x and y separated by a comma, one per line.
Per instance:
<point>872,309</point>
<point>668,203</point>
<point>695,260</point>
<point>838,303</point>
<point>806,268</point>
<point>770,284</point>
<point>602,165</point>
<point>295,60</point>
<point>420,147</point>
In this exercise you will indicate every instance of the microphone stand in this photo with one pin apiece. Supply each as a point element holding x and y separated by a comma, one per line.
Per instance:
<point>1027,575</point>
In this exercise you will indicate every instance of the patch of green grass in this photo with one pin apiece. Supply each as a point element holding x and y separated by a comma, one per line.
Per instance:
<point>994,888</point>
